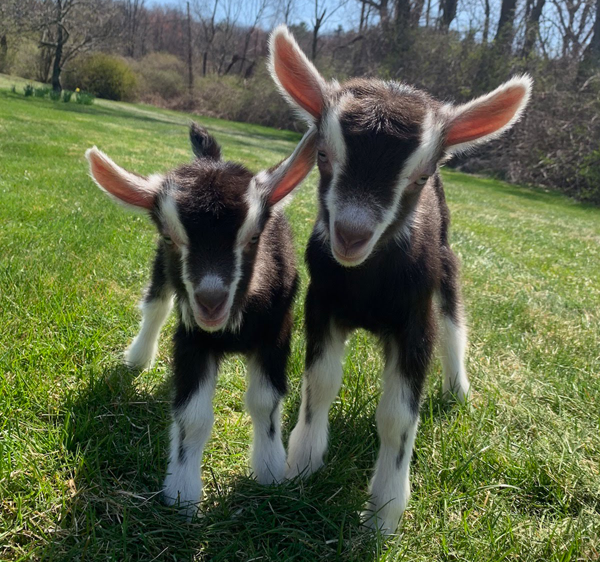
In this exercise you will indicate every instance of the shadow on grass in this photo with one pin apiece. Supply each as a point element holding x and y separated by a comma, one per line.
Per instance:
<point>118,441</point>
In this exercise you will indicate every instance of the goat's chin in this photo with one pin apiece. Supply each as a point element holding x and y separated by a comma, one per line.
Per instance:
<point>212,324</point>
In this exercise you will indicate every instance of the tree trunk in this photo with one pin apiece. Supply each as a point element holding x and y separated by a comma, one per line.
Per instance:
<point>57,66</point>
<point>505,32</point>
<point>315,41</point>
<point>486,22</point>
<point>189,53</point>
<point>3,52</point>
<point>532,26</point>
<point>591,56</point>
<point>448,9</point>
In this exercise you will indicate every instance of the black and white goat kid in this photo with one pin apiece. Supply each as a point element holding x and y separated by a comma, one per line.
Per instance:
<point>379,254</point>
<point>226,255</point>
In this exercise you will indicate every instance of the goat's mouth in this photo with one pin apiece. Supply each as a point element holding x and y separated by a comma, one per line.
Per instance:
<point>351,255</point>
<point>212,323</point>
<point>350,260</point>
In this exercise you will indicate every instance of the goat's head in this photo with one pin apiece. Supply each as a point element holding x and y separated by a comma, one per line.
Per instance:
<point>210,214</point>
<point>379,142</point>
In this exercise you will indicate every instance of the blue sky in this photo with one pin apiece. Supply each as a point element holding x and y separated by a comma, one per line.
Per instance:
<point>304,11</point>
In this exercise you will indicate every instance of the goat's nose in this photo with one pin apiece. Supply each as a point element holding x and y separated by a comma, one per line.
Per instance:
<point>211,300</point>
<point>352,236</point>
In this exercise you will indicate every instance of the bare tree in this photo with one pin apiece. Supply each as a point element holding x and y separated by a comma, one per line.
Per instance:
<point>321,15</point>
<point>591,56</point>
<point>447,12</point>
<point>70,27</point>
<point>134,15</point>
<point>505,32</point>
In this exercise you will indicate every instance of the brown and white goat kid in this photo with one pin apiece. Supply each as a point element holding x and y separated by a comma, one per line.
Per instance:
<point>226,255</point>
<point>379,253</point>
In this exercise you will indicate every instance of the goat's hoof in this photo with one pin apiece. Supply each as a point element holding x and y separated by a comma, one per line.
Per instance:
<point>373,521</point>
<point>138,357</point>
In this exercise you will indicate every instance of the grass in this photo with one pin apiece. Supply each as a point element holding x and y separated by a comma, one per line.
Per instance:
<point>83,442</point>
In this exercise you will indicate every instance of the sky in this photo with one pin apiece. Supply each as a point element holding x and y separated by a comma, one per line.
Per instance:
<point>304,11</point>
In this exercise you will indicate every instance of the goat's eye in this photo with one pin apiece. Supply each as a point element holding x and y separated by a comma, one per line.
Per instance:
<point>254,239</point>
<point>168,240</point>
<point>422,180</point>
<point>322,156</point>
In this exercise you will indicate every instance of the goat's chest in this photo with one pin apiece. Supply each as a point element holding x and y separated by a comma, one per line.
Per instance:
<point>381,294</point>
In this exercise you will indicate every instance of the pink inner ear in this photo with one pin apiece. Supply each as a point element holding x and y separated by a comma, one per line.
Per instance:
<point>486,118</point>
<point>297,171</point>
<point>296,77</point>
<point>120,183</point>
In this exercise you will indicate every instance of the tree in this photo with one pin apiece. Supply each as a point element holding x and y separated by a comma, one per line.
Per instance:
<point>592,53</point>
<point>533,12</point>
<point>448,12</point>
<point>505,31</point>
<point>70,27</point>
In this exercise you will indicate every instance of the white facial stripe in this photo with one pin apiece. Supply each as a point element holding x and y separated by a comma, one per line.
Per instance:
<point>431,131</point>
<point>169,213</point>
<point>334,137</point>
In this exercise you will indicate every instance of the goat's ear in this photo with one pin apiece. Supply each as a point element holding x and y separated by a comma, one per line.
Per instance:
<point>204,145</point>
<point>126,187</point>
<point>281,180</point>
<point>297,78</point>
<point>486,117</point>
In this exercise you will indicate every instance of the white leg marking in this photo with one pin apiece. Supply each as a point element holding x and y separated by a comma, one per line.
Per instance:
<point>453,342</point>
<point>397,428</point>
<point>190,430</point>
<point>320,386</point>
<point>264,405</point>
<point>140,354</point>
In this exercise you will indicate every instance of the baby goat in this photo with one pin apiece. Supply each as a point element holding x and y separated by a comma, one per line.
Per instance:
<point>379,252</point>
<point>226,255</point>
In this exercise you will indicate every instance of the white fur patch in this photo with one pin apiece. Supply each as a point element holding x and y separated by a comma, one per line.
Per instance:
<point>263,404</point>
<point>194,421</point>
<point>170,216</point>
<point>453,347</point>
<point>142,350</point>
<point>397,428</point>
<point>320,385</point>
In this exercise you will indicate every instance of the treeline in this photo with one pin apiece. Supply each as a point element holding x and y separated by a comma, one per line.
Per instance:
<point>208,56</point>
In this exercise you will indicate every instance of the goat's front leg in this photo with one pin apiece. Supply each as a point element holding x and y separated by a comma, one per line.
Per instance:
<point>266,387</point>
<point>156,306</point>
<point>195,374</point>
<point>397,418</point>
<point>325,343</point>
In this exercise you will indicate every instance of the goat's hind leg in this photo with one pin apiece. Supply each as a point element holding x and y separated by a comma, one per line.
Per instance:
<point>156,306</point>
<point>266,388</point>
<point>453,331</point>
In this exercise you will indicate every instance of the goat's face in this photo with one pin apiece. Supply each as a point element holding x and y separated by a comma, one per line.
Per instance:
<point>379,142</point>
<point>210,215</point>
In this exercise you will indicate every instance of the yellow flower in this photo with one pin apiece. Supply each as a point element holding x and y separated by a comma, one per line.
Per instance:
<point>77,89</point>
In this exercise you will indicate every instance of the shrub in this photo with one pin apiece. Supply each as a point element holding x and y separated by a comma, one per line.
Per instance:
<point>161,75</point>
<point>66,95</point>
<point>55,95</point>
<point>84,98</point>
<point>13,89</point>
<point>103,76</point>
<point>41,92</point>
<point>28,90</point>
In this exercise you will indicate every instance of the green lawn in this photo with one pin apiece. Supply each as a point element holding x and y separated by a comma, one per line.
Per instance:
<point>83,442</point>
